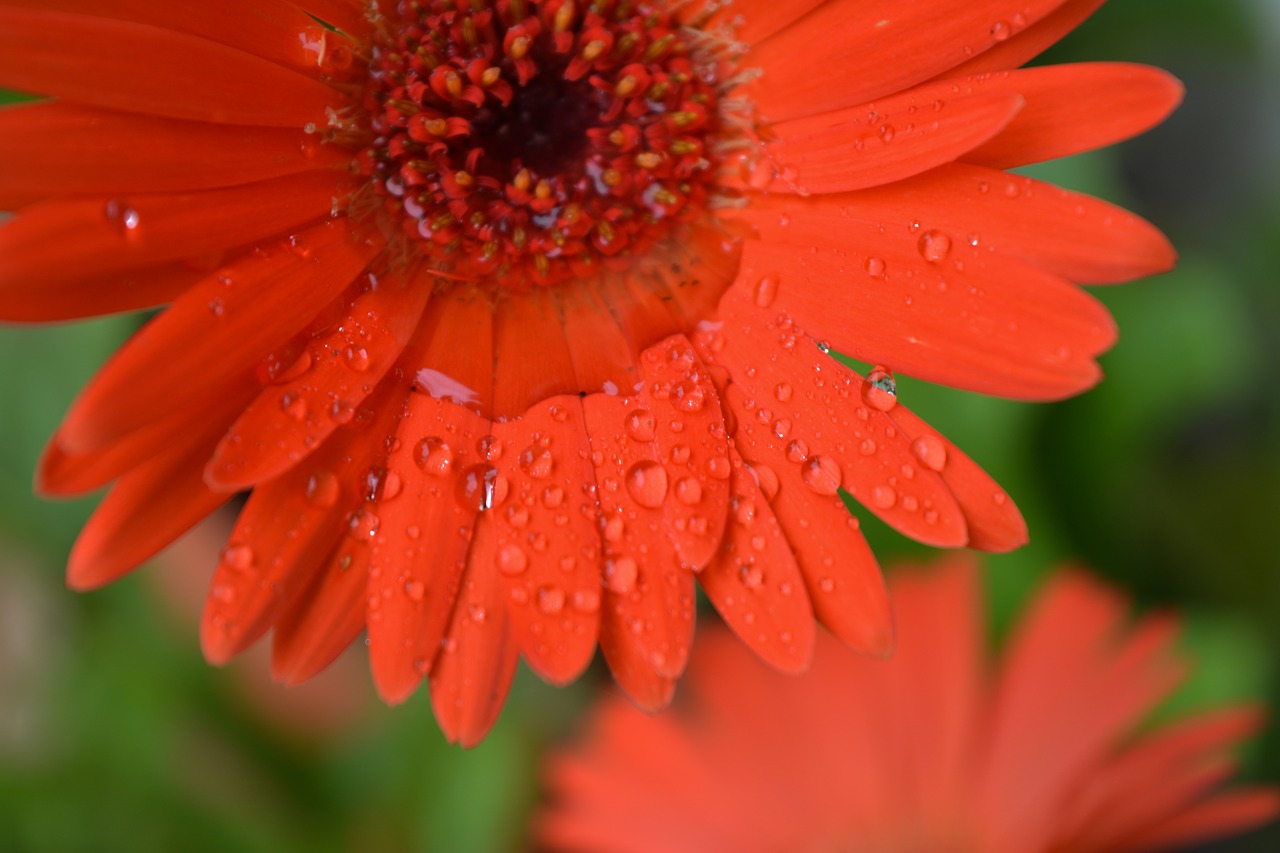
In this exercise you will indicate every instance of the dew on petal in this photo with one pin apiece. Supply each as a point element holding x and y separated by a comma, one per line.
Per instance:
<point>536,461</point>
<point>481,487</point>
<point>766,291</point>
<point>880,389</point>
<point>640,425</point>
<point>821,474</point>
<point>647,483</point>
<point>931,452</point>
<point>512,560</point>
<point>934,246</point>
<point>322,489</point>
<point>433,455</point>
<point>620,574</point>
<point>688,491</point>
<point>237,557</point>
<point>550,599</point>
<point>875,267</point>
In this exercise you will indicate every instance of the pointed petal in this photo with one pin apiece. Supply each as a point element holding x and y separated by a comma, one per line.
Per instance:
<point>54,149</point>
<point>682,413</point>
<point>649,598</point>
<point>931,305</point>
<point>111,63</point>
<point>548,540</point>
<point>215,330</point>
<point>825,425</point>
<point>472,674</point>
<point>1030,42</point>
<point>883,142</point>
<point>93,295</point>
<point>288,420</point>
<point>755,582</point>
<point>420,548</point>
<point>851,51</point>
<point>1074,108</point>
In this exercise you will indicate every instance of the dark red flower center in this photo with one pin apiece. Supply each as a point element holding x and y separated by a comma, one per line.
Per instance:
<point>525,142</point>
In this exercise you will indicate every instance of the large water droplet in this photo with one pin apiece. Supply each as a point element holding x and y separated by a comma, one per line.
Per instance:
<point>880,389</point>
<point>687,396</point>
<point>536,461</point>
<point>433,455</point>
<point>766,291</point>
<point>688,491</point>
<point>884,497</point>
<point>821,474</point>
<point>357,358</point>
<point>931,452</point>
<point>238,558</point>
<point>875,267</point>
<point>798,450</point>
<point>647,483</point>
<point>640,425</point>
<point>481,487</point>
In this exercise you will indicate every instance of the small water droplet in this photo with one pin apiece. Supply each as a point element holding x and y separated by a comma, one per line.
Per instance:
<point>680,454</point>
<point>586,600</point>
<point>416,590</point>
<point>767,479</point>
<point>766,291</point>
<point>536,461</point>
<point>322,489</point>
<point>123,218</point>
<point>216,306</point>
<point>875,267</point>
<point>934,246</point>
<point>821,474</point>
<point>751,575</point>
<point>614,529</point>
<point>687,396</point>
<point>224,593</point>
<point>477,612</point>
<point>797,451</point>
<point>238,558</point>
<point>867,447</point>
<point>781,427</point>
<point>688,491</point>
<point>886,132</point>
<point>1000,31</point>
<point>647,483</point>
<point>640,425</point>
<point>552,497</point>
<point>931,452</point>
<point>719,467</point>
<point>363,524</point>
<point>357,358</point>
<point>481,487</point>
<point>884,497</point>
<point>518,515</point>
<point>550,599</point>
<point>620,574</point>
<point>512,560</point>
<point>824,347</point>
<point>782,391</point>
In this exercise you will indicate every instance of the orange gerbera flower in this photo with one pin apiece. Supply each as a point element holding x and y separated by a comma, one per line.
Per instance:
<point>515,314</point>
<point>921,753</point>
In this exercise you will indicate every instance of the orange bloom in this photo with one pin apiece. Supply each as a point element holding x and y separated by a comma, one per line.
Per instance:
<point>927,752</point>
<point>514,315</point>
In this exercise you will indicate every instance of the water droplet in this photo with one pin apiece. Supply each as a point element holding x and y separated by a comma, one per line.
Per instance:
<point>640,425</point>
<point>298,246</point>
<point>586,600</point>
<point>821,474</point>
<point>238,558</point>
<point>416,590</point>
<point>357,358</point>
<point>477,612</point>
<point>934,246</point>
<point>122,218</point>
<point>224,593</point>
<point>751,575</point>
<point>880,390</point>
<point>867,447</point>
<point>518,515</point>
<point>363,524</point>
<point>341,411</point>
<point>767,479</point>
<point>294,405</point>
<point>1000,31</point>
<point>781,427</point>
<point>875,267</point>
<point>647,483</point>
<point>931,452</point>
<point>797,451</point>
<point>481,487</point>
<point>620,574</point>
<point>782,391</point>
<point>824,347</point>
<point>550,599</point>
<point>216,306</point>
<point>688,491</point>
<point>322,489</point>
<point>391,485</point>
<point>886,132</point>
<point>552,497</point>
<point>614,529</point>
<point>489,448</point>
<point>536,461</point>
<point>511,560</point>
<point>687,396</point>
<point>680,454</point>
<point>433,455</point>
<point>884,497</point>
<point>766,291</point>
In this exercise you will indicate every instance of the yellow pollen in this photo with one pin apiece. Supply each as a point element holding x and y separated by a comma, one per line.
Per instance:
<point>520,46</point>
<point>659,47</point>
<point>490,76</point>
<point>684,118</point>
<point>522,180</point>
<point>437,127</point>
<point>463,178</point>
<point>543,190</point>
<point>626,86</point>
<point>453,83</point>
<point>616,138</point>
<point>564,16</point>
<point>648,160</point>
<point>593,50</point>
<point>611,177</point>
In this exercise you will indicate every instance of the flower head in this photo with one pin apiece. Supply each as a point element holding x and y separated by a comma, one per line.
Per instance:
<point>935,750</point>
<point>514,316</point>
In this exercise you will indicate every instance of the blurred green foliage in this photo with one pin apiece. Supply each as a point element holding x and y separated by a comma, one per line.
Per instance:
<point>1165,479</point>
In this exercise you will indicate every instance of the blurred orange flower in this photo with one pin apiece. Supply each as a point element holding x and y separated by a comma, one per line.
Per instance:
<point>516,314</point>
<point>936,750</point>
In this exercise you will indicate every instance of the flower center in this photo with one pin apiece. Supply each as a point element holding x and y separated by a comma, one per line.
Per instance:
<point>525,142</point>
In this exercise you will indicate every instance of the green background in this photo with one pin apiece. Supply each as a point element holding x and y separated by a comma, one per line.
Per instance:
<point>1165,479</point>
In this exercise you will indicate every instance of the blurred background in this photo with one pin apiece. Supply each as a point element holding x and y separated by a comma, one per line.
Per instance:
<point>114,734</point>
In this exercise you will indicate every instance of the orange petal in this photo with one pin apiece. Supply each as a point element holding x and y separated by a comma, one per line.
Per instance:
<point>91,295</point>
<point>55,149</point>
<point>1028,43</point>
<point>1074,108</point>
<point>472,674</point>
<point>681,414</point>
<point>547,539</point>
<point>531,360</point>
<point>112,63</point>
<point>420,548</point>
<point>218,329</point>
<point>887,141</point>
<point>848,52</point>
<point>932,305</point>
<point>649,598</point>
<point>817,419</point>
<point>755,582</point>
<point>339,369</point>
